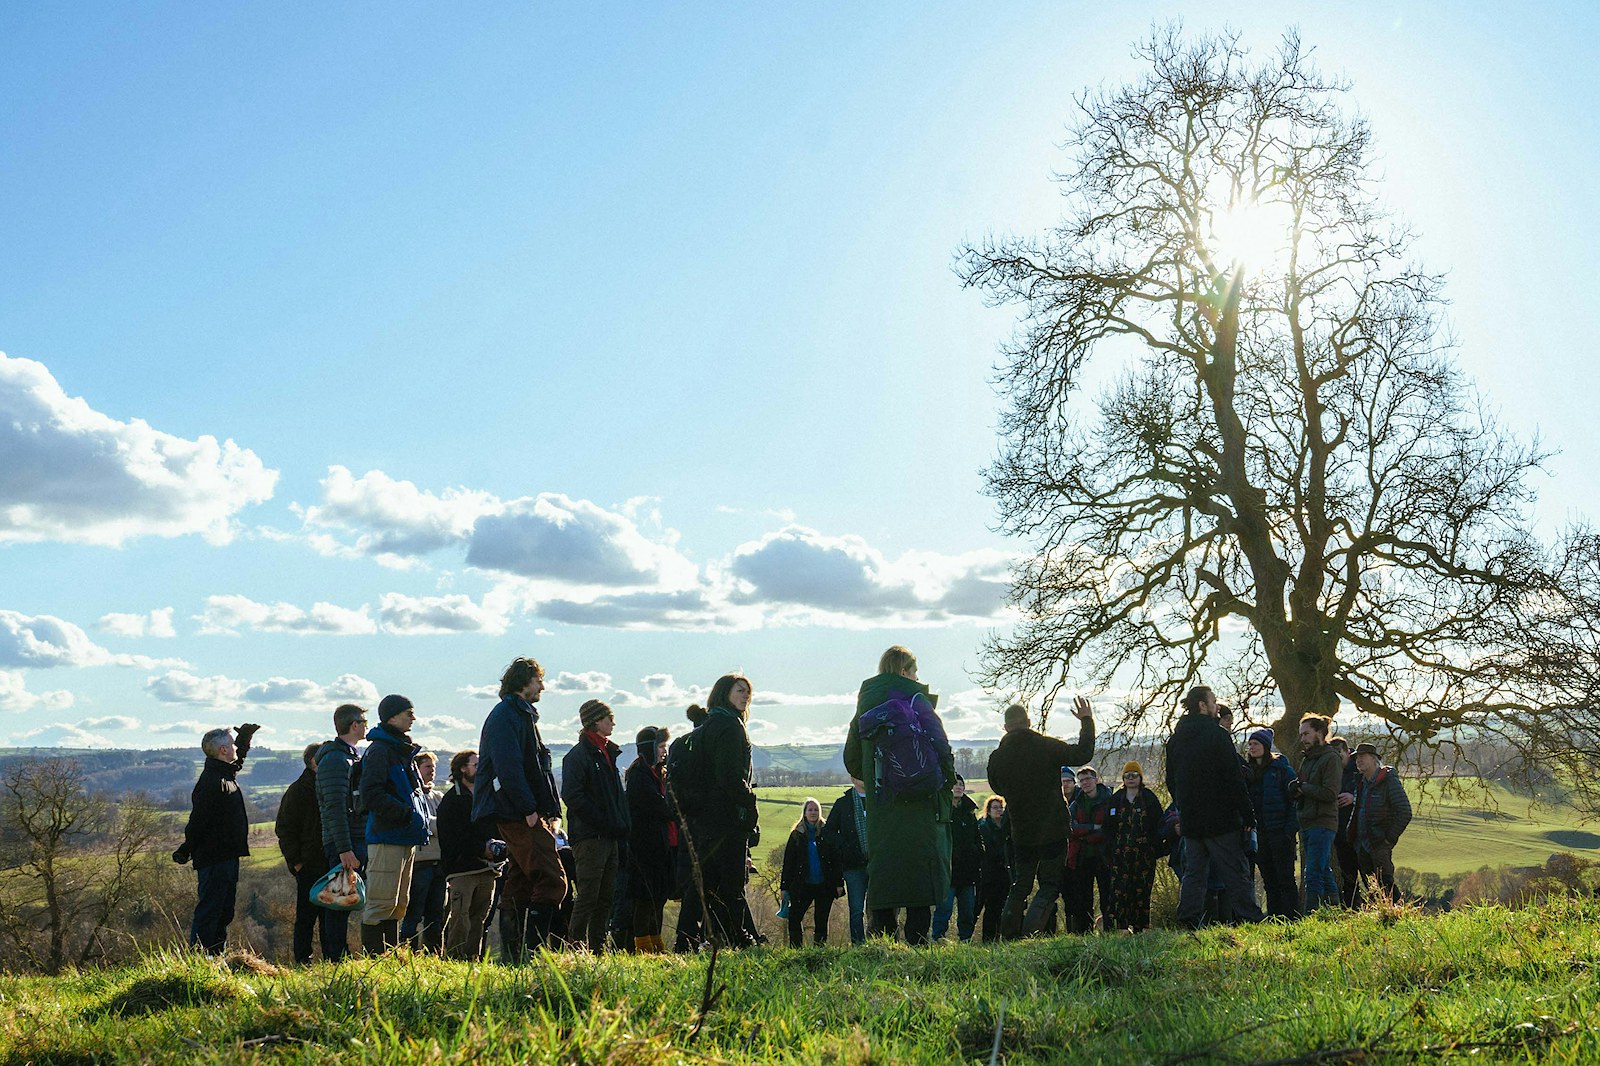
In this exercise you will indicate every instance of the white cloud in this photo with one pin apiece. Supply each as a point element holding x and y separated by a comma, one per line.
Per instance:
<point>229,614</point>
<point>59,735</point>
<point>480,692</point>
<point>182,687</point>
<point>14,695</point>
<point>845,581</point>
<point>405,615</point>
<point>45,641</point>
<point>157,623</point>
<point>118,722</point>
<point>448,722</point>
<point>588,683</point>
<point>189,727</point>
<point>393,517</point>
<point>71,473</point>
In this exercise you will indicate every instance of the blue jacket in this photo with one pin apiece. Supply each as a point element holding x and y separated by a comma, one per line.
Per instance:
<point>516,777</point>
<point>1269,795</point>
<point>391,789</point>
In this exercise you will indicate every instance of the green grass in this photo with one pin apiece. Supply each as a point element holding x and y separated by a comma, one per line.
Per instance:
<point>1519,986</point>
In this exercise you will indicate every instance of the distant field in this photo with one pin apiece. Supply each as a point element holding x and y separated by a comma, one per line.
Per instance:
<point>1449,835</point>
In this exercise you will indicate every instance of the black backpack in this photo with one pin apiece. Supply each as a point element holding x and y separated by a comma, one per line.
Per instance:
<point>685,777</point>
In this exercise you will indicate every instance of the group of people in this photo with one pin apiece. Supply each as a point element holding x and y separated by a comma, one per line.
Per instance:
<point>905,846</point>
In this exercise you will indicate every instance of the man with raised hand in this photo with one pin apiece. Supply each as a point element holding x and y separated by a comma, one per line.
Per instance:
<point>1026,769</point>
<point>217,835</point>
<point>516,791</point>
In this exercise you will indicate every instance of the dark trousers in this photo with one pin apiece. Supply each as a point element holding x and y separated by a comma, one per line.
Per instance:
<point>213,908</point>
<point>919,924</point>
<point>819,899</point>
<point>591,907</point>
<point>1349,871</point>
<point>1078,896</point>
<point>1046,863</point>
<point>1275,855</point>
<point>424,922</point>
<point>1223,855</point>
<point>1378,864</point>
<point>992,905</point>
<point>308,917</point>
<point>722,867</point>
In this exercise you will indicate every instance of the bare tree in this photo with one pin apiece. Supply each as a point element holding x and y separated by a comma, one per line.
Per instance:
<point>1288,483</point>
<point>71,862</point>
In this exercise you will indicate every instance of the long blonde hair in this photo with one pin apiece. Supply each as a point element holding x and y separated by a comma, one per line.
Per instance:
<point>801,824</point>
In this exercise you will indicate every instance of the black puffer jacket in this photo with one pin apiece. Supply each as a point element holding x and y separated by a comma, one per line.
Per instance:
<point>219,828</point>
<point>592,790</point>
<point>461,840</point>
<point>966,844</point>
<point>298,825</point>
<point>1206,779</point>
<point>338,785</point>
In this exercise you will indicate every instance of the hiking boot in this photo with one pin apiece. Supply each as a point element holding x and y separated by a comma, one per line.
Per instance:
<point>513,935</point>
<point>371,939</point>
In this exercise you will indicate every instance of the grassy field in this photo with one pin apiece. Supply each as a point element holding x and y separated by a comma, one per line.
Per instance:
<point>1479,984</point>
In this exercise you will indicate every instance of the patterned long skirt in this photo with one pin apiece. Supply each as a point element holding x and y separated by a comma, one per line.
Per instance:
<point>1133,872</point>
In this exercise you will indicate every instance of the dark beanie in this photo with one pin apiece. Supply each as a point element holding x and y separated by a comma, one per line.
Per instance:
<point>1263,737</point>
<point>392,705</point>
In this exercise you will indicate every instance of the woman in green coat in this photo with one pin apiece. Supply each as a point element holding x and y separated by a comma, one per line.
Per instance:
<point>908,835</point>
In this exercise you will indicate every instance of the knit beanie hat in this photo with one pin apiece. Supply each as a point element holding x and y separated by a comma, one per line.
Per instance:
<point>391,706</point>
<point>1263,737</point>
<point>1133,768</point>
<point>592,711</point>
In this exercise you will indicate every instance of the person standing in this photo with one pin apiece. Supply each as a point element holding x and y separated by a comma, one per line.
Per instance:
<point>1205,778</point>
<point>810,877</point>
<point>690,933</point>
<point>908,844</point>
<point>1382,813</point>
<point>966,866</point>
<point>299,831</point>
<point>597,818</point>
<point>1269,779</point>
<point>652,838</point>
<point>217,835</point>
<point>1133,846</point>
<point>423,927</point>
<point>397,821</point>
<point>1087,810</point>
<point>714,790</point>
<point>846,833</point>
<point>994,883</point>
<point>466,862</point>
<point>519,796</point>
<point>1026,769</point>
<point>1316,791</point>
<point>1349,872</point>
<point>344,835</point>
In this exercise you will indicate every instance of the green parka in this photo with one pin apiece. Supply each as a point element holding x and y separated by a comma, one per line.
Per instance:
<point>908,838</point>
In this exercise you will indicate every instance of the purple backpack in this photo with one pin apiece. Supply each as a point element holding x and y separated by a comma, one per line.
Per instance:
<point>908,740</point>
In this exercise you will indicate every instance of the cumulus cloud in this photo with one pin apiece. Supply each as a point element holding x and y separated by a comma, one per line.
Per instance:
<point>74,474</point>
<point>157,623</point>
<point>229,614</point>
<point>480,692</point>
<point>548,537</point>
<point>117,722</point>
<point>45,641</point>
<point>843,580</point>
<point>14,695</point>
<point>692,609</point>
<point>59,735</point>
<point>588,683</point>
<point>411,615</point>
<point>182,687</point>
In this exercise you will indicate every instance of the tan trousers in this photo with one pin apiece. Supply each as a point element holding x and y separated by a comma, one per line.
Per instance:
<point>389,869</point>
<point>467,900</point>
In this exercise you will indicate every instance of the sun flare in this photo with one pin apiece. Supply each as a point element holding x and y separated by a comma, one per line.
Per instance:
<point>1253,236</point>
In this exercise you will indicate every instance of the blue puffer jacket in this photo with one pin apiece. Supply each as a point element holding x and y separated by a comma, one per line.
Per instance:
<point>1269,795</point>
<point>391,789</point>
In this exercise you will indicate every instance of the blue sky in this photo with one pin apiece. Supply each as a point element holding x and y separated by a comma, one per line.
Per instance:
<point>357,350</point>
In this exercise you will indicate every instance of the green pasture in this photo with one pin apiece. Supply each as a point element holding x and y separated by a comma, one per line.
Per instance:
<point>1381,986</point>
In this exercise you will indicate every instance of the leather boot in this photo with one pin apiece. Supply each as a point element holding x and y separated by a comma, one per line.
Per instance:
<point>537,927</point>
<point>513,938</point>
<point>391,933</point>
<point>371,939</point>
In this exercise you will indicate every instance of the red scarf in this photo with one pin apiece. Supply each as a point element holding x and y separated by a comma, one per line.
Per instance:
<point>603,744</point>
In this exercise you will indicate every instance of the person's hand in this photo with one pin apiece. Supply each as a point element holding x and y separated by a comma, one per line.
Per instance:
<point>181,855</point>
<point>534,819</point>
<point>838,891</point>
<point>1346,799</point>
<point>297,867</point>
<point>244,734</point>
<point>348,860</point>
<point>1082,708</point>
